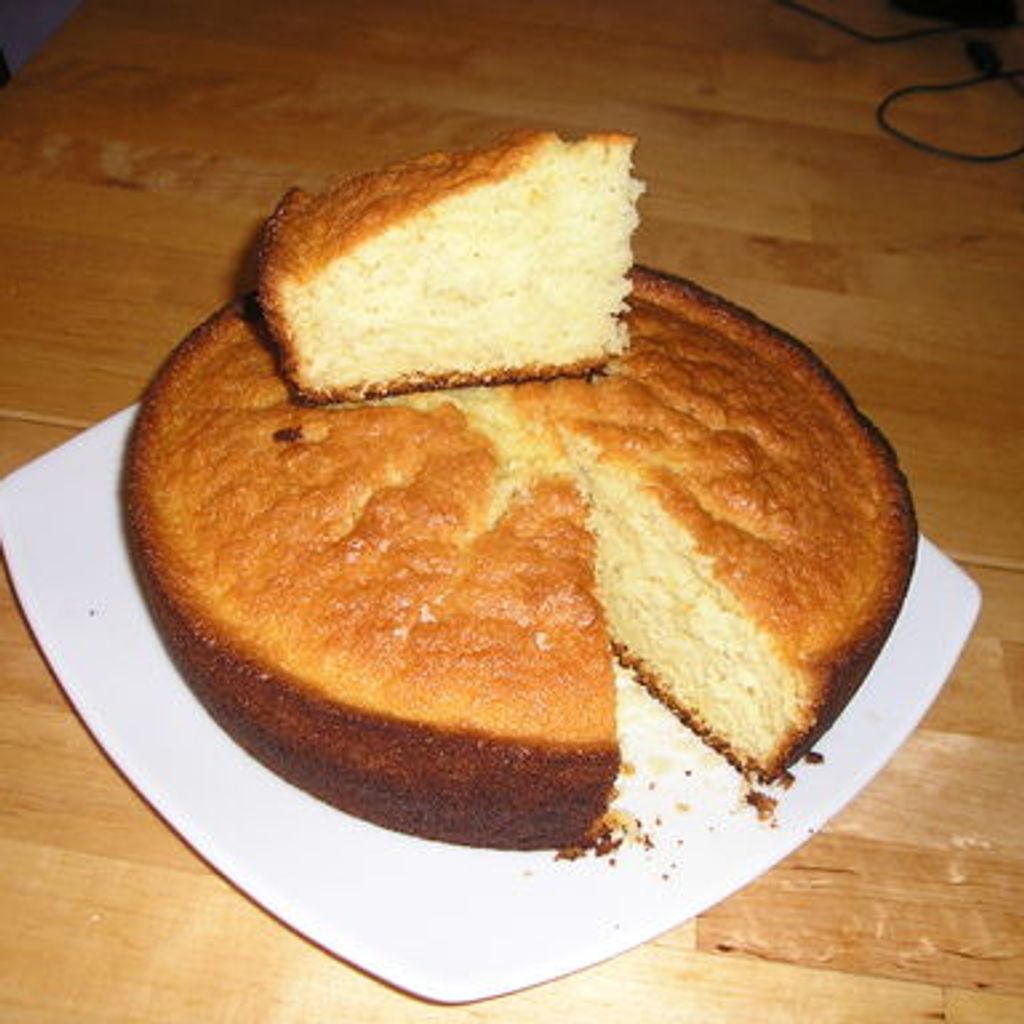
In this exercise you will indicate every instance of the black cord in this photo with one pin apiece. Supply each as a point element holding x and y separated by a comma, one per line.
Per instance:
<point>982,54</point>
<point>868,37</point>
<point>882,111</point>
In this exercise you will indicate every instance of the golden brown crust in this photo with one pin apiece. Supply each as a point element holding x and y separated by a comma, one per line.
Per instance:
<point>758,452</point>
<point>433,783</point>
<point>817,483</point>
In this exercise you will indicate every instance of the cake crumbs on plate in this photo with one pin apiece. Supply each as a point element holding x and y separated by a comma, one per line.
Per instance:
<point>764,805</point>
<point>615,829</point>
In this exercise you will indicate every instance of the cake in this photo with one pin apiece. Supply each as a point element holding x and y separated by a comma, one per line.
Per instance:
<point>503,263</point>
<point>410,607</point>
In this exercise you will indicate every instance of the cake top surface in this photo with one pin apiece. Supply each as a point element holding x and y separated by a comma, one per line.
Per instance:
<point>372,553</point>
<point>429,557</point>
<point>761,457</point>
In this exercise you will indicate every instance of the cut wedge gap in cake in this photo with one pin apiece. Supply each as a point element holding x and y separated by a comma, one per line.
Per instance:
<point>507,263</point>
<point>685,635</point>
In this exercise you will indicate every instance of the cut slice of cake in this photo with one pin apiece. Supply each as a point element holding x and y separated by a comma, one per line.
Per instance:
<point>500,264</point>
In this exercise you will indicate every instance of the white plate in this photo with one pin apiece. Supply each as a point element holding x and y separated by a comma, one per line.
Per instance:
<point>449,923</point>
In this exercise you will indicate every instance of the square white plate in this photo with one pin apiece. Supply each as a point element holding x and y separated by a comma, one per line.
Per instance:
<point>449,923</point>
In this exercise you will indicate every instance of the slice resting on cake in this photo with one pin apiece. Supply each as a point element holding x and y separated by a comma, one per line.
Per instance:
<point>409,607</point>
<point>496,264</point>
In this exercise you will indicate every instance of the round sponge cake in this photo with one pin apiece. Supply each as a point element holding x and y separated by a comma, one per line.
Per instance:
<point>409,608</point>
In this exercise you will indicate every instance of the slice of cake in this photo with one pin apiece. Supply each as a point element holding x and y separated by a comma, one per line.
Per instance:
<point>500,264</point>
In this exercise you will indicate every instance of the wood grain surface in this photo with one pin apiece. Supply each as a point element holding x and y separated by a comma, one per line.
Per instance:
<point>140,151</point>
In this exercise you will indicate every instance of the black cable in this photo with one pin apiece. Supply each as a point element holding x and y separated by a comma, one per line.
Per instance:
<point>881,116</point>
<point>982,54</point>
<point>868,37</point>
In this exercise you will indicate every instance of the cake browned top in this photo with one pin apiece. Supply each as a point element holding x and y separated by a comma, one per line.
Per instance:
<point>431,560</point>
<point>761,457</point>
<point>362,554</point>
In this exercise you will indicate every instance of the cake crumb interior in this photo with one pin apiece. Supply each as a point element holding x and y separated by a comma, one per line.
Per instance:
<point>686,635</point>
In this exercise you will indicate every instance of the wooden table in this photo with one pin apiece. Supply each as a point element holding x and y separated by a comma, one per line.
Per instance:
<point>139,152</point>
